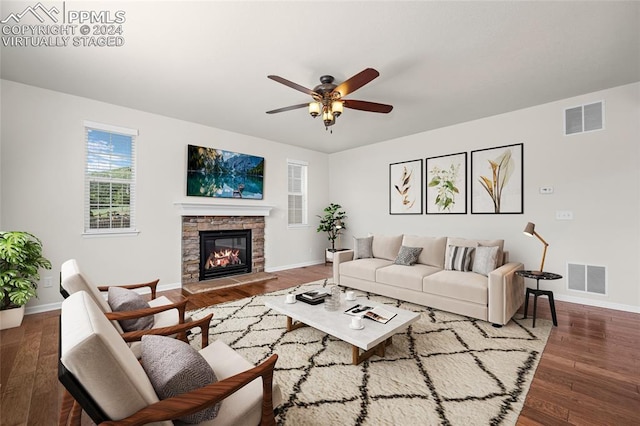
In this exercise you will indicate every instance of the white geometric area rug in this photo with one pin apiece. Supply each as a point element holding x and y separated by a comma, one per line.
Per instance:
<point>444,369</point>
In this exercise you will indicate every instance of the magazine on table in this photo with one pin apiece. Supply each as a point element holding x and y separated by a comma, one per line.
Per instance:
<point>376,313</point>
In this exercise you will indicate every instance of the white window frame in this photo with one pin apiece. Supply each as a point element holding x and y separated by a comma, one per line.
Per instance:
<point>303,167</point>
<point>116,130</point>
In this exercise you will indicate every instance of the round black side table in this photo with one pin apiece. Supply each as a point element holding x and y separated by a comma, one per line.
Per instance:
<point>537,292</point>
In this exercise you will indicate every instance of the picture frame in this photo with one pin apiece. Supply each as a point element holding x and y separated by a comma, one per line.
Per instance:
<point>405,187</point>
<point>446,184</point>
<point>497,180</point>
<point>218,173</point>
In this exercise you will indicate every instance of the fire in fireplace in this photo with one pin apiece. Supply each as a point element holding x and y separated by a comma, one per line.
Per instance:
<point>224,253</point>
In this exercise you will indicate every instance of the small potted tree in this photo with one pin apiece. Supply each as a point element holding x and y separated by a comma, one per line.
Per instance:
<point>20,260</point>
<point>333,224</point>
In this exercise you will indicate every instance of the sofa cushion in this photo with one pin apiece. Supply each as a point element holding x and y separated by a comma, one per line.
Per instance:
<point>362,247</point>
<point>409,277</point>
<point>458,285</point>
<point>459,258</point>
<point>365,269</point>
<point>122,300</point>
<point>408,255</point>
<point>433,249</point>
<point>174,368</point>
<point>386,246</point>
<point>475,243</point>
<point>485,259</point>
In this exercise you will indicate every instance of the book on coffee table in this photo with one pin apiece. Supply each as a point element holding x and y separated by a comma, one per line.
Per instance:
<point>377,313</point>
<point>313,297</point>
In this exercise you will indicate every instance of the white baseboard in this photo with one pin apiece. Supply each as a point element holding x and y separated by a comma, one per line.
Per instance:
<point>298,265</point>
<point>597,303</point>
<point>42,308</point>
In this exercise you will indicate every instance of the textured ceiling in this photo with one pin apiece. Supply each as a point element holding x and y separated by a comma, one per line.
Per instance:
<point>440,63</point>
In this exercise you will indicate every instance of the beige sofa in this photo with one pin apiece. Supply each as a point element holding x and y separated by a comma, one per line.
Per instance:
<point>493,293</point>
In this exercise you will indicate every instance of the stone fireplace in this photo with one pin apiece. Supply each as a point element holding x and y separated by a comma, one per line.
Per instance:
<point>195,227</point>
<point>224,253</point>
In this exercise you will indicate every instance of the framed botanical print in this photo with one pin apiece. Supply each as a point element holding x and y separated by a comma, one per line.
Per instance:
<point>447,184</point>
<point>497,180</point>
<point>405,187</point>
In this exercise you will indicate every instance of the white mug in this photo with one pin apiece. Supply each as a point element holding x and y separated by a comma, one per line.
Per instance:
<point>356,322</point>
<point>351,295</point>
<point>291,298</point>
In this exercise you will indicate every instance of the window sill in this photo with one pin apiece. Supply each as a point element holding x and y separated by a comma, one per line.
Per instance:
<point>111,233</point>
<point>301,226</point>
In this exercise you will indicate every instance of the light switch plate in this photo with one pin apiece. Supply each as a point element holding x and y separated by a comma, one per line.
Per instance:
<point>564,215</point>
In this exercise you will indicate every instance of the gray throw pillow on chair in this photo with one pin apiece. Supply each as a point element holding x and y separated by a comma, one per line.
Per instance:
<point>122,299</point>
<point>174,368</point>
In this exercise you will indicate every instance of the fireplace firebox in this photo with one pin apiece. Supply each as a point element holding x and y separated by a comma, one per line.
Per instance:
<point>224,253</point>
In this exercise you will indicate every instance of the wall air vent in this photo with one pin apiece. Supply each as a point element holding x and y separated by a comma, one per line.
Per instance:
<point>584,118</point>
<point>587,278</point>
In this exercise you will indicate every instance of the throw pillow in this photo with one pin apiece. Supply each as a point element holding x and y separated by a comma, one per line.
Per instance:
<point>122,299</point>
<point>408,255</point>
<point>459,258</point>
<point>485,259</point>
<point>174,368</point>
<point>362,247</point>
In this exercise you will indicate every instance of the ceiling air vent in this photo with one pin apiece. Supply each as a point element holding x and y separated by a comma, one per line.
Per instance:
<point>584,118</point>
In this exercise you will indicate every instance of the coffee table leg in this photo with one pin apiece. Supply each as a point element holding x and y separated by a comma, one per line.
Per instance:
<point>378,349</point>
<point>291,326</point>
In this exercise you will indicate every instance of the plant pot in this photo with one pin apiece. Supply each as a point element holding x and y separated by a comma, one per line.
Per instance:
<point>328,255</point>
<point>10,318</point>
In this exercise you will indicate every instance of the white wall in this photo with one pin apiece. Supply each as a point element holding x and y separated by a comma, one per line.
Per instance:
<point>595,175</point>
<point>42,178</point>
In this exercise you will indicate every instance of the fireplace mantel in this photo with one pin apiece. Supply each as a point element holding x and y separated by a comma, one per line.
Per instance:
<point>208,209</point>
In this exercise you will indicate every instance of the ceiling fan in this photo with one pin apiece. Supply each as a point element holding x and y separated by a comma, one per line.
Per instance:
<point>328,97</point>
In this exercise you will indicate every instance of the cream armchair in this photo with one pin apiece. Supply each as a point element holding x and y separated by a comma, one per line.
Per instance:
<point>106,380</point>
<point>165,313</point>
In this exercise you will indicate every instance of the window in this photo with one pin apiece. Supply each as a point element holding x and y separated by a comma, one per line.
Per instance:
<point>109,179</point>
<point>297,182</point>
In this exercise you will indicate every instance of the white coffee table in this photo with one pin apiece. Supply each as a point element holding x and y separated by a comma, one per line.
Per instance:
<point>372,339</point>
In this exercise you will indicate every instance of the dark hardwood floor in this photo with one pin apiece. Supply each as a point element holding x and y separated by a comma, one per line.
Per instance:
<point>589,373</point>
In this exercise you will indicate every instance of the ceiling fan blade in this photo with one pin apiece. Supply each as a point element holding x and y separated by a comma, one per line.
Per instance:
<point>367,106</point>
<point>356,82</point>
<point>289,108</point>
<point>291,84</point>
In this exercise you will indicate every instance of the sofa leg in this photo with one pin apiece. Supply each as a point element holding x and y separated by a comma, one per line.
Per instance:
<point>497,325</point>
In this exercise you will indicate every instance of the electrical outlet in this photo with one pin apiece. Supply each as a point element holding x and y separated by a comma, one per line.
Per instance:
<point>46,282</point>
<point>564,215</point>
<point>546,190</point>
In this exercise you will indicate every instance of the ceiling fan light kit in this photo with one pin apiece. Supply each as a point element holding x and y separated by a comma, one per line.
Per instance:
<point>327,97</point>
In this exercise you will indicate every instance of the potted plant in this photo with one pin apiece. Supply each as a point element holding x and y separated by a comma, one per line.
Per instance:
<point>20,260</point>
<point>333,224</point>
